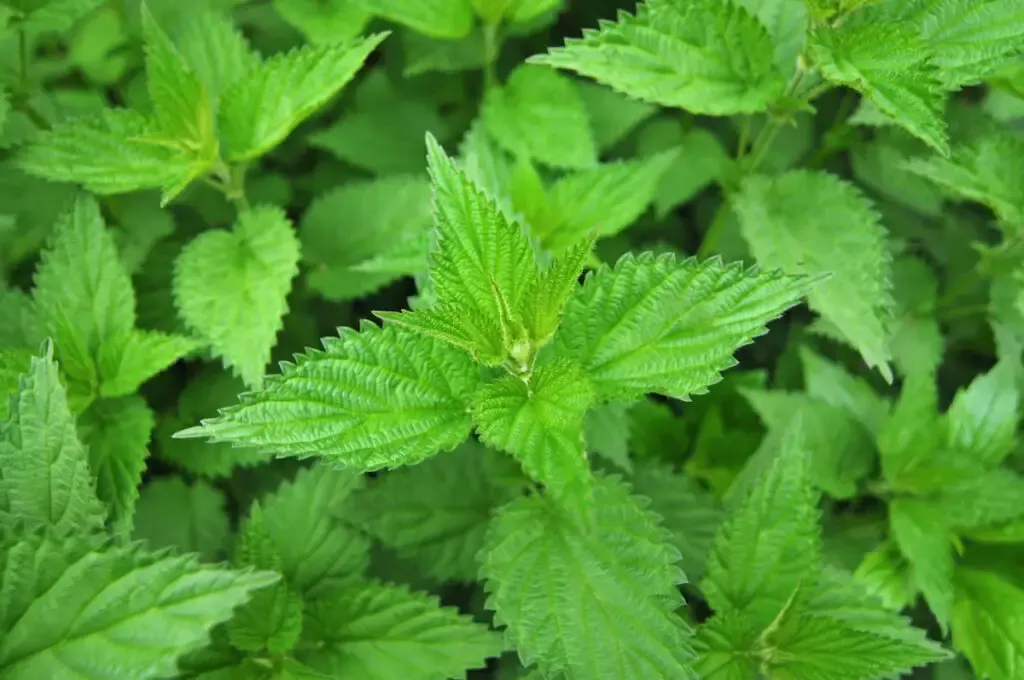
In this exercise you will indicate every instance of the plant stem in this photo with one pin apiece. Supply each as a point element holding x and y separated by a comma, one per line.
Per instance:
<point>231,181</point>
<point>741,147</point>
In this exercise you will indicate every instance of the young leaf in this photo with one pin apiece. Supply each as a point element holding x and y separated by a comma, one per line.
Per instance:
<point>888,62</point>
<point>780,218</point>
<point>127,361</point>
<point>166,607</point>
<point>706,56</point>
<point>546,299</point>
<point>116,434</point>
<point>190,518</point>
<point>921,534</point>
<point>912,431</point>
<point>818,648</point>
<point>989,170</point>
<point>260,110</point>
<point>436,513</point>
<point>301,519</point>
<point>655,324</point>
<point>216,51</point>
<point>232,287</point>
<point>986,623</point>
<point>379,632</point>
<point>540,422</point>
<point>112,152</point>
<point>44,469</point>
<point>538,114</point>
<point>982,420</point>
<point>82,292</point>
<point>593,601</point>
<point>357,222</point>
<point>771,544</point>
<point>378,398</point>
<point>448,19</point>
<point>603,200</point>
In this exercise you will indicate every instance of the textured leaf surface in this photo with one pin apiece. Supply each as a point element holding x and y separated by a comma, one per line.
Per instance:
<point>436,18</point>
<point>988,623</point>
<point>705,56</point>
<point>260,110</point>
<point>379,632</point>
<point>436,513</point>
<point>302,520</point>
<point>539,114</point>
<point>127,361</point>
<point>112,152</point>
<point>82,292</point>
<point>374,399</point>
<point>188,517</point>
<point>888,63</point>
<point>216,51</point>
<point>612,114</point>
<point>541,424</point>
<point>594,601</point>
<point>982,419</point>
<point>970,40</point>
<point>781,219</point>
<point>921,535</point>
<point>44,469</point>
<point>770,544</point>
<point>657,324</point>
<point>116,433</point>
<point>231,287</point>
<point>357,222</point>
<point>117,613</point>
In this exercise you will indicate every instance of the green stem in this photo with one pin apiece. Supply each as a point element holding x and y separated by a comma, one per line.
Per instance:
<point>741,147</point>
<point>231,181</point>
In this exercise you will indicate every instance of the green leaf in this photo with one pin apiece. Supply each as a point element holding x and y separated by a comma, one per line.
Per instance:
<point>917,343</point>
<point>260,110</point>
<point>881,165</point>
<point>656,324</point>
<point>912,431</point>
<point>602,201</point>
<point>379,632</point>
<point>113,152</point>
<point>987,623</point>
<point>315,548</point>
<point>184,111</point>
<point>82,292</point>
<point>988,170</point>
<point>271,620</point>
<point>817,648</point>
<point>232,288</point>
<point>322,22</point>
<point>606,431</point>
<point>982,499</point>
<point>700,160</point>
<point>780,217</point>
<point>44,469</point>
<point>437,512</point>
<point>594,600</point>
<point>982,420</point>
<point>612,115</point>
<point>539,420</point>
<point>127,361</point>
<point>726,644</point>
<point>424,54</point>
<point>705,56</point>
<point>770,545</point>
<point>787,24</point>
<point>13,364</point>
<point>187,517</point>
<point>885,574</point>
<point>357,222</point>
<point>539,114</point>
<point>379,398</point>
<point>921,534</point>
<point>216,51</point>
<point>829,382</point>
<point>165,607</point>
<point>691,514</point>
<point>970,40</point>
<point>480,268</point>
<point>436,18</point>
<point>888,62</point>
<point>546,299</point>
<point>116,434</point>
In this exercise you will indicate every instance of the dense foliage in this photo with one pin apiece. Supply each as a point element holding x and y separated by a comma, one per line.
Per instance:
<point>536,339</point>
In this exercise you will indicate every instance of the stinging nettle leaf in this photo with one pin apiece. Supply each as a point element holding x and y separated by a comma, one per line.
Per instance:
<point>706,56</point>
<point>656,324</point>
<point>986,623</point>
<point>809,222</point>
<point>539,114</point>
<point>449,19</point>
<point>232,287</point>
<point>190,518</point>
<point>263,108</point>
<point>920,532</point>
<point>540,422</point>
<point>369,400</point>
<point>592,600</point>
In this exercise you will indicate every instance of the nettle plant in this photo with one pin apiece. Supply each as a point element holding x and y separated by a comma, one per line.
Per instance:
<point>534,468</point>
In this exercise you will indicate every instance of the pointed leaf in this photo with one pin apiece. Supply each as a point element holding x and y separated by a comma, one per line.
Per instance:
<point>922,536</point>
<point>436,18</point>
<point>188,517</point>
<point>988,623</point>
